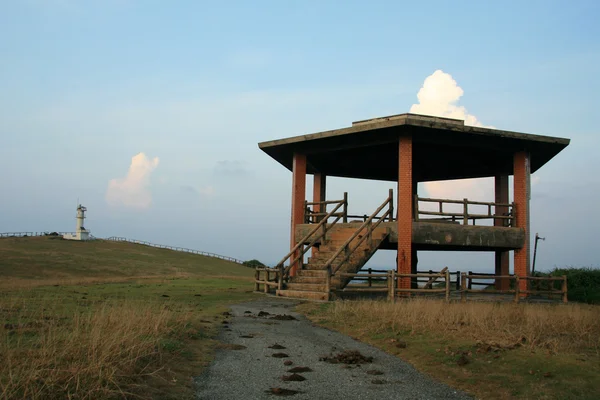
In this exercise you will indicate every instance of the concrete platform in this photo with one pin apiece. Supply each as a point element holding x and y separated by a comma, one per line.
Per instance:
<point>442,236</point>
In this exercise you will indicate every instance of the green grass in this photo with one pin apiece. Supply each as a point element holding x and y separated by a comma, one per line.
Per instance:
<point>43,258</point>
<point>108,320</point>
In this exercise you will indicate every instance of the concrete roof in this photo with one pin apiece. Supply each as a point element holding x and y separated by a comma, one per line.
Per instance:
<point>443,149</point>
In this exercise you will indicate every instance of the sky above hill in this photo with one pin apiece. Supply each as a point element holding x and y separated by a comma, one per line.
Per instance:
<point>150,112</point>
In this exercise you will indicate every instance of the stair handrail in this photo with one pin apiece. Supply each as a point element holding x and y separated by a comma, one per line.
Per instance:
<point>370,227</point>
<point>322,224</point>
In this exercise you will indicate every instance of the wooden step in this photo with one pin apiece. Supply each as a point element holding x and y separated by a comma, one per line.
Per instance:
<point>303,294</point>
<point>306,287</point>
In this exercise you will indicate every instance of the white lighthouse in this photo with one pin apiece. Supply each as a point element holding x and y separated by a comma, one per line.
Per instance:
<point>81,233</point>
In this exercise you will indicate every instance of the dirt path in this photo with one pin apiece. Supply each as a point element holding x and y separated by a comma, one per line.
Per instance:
<point>257,347</point>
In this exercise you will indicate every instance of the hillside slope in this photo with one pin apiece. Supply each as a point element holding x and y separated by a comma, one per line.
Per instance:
<point>42,258</point>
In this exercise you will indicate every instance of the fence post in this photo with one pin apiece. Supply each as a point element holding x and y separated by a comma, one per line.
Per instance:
<point>465,212</point>
<point>457,280</point>
<point>280,281</point>
<point>256,279</point>
<point>517,289</point>
<point>393,286</point>
<point>463,288</point>
<point>345,207</point>
<point>447,286</point>
<point>369,277</point>
<point>267,276</point>
<point>390,284</point>
<point>564,289</point>
<point>328,283</point>
<point>470,281</point>
<point>391,195</point>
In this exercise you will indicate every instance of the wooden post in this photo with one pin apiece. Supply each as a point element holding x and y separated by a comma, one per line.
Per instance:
<point>345,207</point>
<point>564,289</point>
<point>463,288</point>
<point>457,280</point>
<point>256,279</point>
<point>391,216</point>
<point>369,277</point>
<point>470,281</point>
<point>393,286</point>
<point>517,289</point>
<point>267,276</point>
<point>465,212</point>
<point>416,206</point>
<point>390,284</point>
<point>328,283</point>
<point>447,286</point>
<point>280,281</point>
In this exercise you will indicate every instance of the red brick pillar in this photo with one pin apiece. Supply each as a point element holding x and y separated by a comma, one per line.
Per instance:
<point>405,205</point>
<point>319,188</point>
<point>502,264</point>
<point>298,199</point>
<point>521,199</point>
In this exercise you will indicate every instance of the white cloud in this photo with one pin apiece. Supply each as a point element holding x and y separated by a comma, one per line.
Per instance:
<point>439,96</point>
<point>133,190</point>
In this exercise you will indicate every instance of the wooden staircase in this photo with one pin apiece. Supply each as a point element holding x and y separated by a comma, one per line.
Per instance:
<point>310,282</point>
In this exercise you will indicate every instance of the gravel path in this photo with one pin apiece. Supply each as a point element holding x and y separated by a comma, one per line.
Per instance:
<point>246,368</point>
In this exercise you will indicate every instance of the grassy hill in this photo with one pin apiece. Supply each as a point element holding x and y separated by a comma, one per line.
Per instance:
<point>104,319</point>
<point>44,258</point>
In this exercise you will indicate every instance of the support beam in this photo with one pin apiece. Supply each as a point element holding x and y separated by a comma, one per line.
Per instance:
<point>522,165</point>
<point>319,190</point>
<point>298,199</point>
<point>502,262</point>
<point>405,206</point>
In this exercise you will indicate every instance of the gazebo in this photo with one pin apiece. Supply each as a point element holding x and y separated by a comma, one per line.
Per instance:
<point>407,149</point>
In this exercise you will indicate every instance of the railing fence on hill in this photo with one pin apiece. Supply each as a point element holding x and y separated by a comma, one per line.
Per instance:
<point>175,248</point>
<point>122,239</point>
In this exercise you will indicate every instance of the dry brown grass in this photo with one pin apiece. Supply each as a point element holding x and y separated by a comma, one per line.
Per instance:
<point>101,353</point>
<point>490,350</point>
<point>558,328</point>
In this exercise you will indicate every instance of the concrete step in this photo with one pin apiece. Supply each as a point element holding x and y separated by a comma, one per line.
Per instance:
<point>319,273</point>
<point>302,294</point>
<point>306,287</point>
<point>308,279</point>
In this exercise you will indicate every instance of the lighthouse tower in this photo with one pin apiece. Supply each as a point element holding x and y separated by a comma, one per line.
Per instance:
<point>80,233</point>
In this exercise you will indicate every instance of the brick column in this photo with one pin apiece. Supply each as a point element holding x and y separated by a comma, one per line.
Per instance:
<point>319,189</point>
<point>502,264</point>
<point>405,206</point>
<point>521,199</point>
<point>298,199</point>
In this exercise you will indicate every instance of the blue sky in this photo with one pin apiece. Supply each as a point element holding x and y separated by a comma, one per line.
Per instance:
<point>85,86</point>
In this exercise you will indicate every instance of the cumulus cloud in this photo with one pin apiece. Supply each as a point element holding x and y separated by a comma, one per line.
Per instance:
<point>439,96</point>
<point>133,190</point>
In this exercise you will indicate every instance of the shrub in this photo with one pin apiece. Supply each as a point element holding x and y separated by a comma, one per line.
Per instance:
<point>253,264</point>
<point>583,284</point>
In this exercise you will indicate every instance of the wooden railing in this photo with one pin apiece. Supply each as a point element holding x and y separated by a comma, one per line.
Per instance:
<point>391,279</point>
<point>300,249</point>
<point>369,226</point>
<point>314,217</point>
<point>267,277</point>
<point>466,286</point>
<point>501,211</point>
